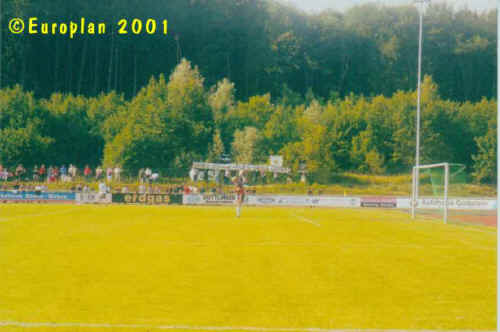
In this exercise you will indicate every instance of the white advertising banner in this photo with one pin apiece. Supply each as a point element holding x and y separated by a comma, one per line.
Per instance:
<point>208,199</point>
<point>93,198</point>
<point>453,203</point>
<point>340,201</point>
<point>273,200</point>
<point>324,201</point>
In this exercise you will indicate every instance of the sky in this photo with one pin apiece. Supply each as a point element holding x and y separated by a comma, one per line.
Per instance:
<point>316,5</point>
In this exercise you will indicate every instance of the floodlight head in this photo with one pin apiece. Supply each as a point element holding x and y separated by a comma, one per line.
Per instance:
<point>422,3</point>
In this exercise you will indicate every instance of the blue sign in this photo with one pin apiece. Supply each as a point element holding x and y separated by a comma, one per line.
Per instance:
<point>34,196</point>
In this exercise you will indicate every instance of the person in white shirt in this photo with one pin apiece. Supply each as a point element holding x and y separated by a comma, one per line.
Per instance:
<point>192,174</point>
<point>98,172</point>
<point>117,173</point>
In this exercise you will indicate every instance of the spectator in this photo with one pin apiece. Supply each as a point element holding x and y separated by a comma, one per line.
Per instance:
<point>72,171</point>
<point>55,173</point>
<point>41,172</point>
<point>109,174</point>
<point>20,172</point>
<point>50,173</point>
<point>147,174</point>
<point>63,171</point>
<point>35,173</point>
<point>98,172</point>
<point>117,173</point>
<point>87,172</point>
<point>192,174</point>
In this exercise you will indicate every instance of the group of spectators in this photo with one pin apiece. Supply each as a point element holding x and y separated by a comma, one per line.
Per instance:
<point>102,188</point>
<point>70,173</point>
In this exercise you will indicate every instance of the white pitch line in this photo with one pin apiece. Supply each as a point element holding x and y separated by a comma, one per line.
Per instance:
<point>206,328</point>
<point>307,220</point>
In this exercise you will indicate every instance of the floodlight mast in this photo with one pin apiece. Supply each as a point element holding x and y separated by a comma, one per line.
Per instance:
<point>422,3</point>
<point>498,137</point>
<point>1,22</point>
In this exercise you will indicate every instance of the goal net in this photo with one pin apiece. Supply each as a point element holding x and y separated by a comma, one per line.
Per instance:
<point>435,187</point>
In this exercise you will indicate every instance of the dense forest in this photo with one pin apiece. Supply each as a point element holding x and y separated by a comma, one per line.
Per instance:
<point>260,45</point>
<point>333,91</point>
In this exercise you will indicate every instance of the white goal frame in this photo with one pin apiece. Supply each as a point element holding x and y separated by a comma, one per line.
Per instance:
<point>415,185</point>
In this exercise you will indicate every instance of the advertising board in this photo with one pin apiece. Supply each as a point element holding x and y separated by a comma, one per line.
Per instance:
<point>149,199</point>
<point>32,196</point>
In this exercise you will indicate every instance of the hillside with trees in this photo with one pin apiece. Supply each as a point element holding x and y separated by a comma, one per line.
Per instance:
<point>334,91</point>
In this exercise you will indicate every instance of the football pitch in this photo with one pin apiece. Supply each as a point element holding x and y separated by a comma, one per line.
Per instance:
<point>141,268</point>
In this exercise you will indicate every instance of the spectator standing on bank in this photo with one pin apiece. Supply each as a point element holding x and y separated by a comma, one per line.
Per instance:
<point>55,173</point>
<point>109,174</point>
<point>50,173</point>
<point>64,172</point>
<point>118,172</point>
<point>41,172</point>
<point>72,171</point>
<point>147,174</point>
<point>87,172</point>
<point>20,170</point>
<point>98,172</point>
<point>35,174</point>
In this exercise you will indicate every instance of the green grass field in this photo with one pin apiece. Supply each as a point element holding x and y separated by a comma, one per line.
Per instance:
<point>138,268</point>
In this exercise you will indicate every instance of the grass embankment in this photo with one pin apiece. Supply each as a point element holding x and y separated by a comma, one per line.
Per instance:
<point>343,184</point>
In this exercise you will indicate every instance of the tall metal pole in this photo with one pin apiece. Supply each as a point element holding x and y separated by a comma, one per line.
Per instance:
<point>419,87</point>
<point>1,29</point>
<point>419,94</point>
<point>498,145</point>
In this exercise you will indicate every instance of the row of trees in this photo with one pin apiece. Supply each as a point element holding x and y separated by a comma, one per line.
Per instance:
<point>171,123</point>
<point>257,44</point>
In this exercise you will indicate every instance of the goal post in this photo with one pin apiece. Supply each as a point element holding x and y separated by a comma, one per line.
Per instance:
<point>416,190</point>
